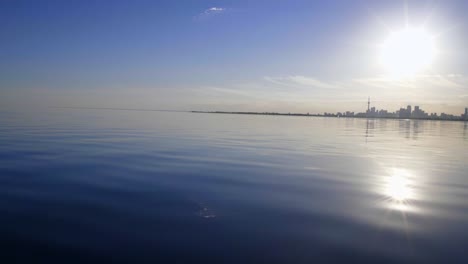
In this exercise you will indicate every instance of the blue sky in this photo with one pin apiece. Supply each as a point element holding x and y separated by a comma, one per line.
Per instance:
<point>308,56</point>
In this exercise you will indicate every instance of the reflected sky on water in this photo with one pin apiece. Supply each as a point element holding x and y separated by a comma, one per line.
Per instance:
<point>136,186</point>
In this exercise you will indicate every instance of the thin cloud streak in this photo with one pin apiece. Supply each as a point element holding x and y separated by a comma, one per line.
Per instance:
<point>302,81</point>
<point>308,92</point>
<point>212,11</point>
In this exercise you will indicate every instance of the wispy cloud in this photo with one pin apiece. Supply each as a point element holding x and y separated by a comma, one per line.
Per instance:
<point>224,91</point>
<point>214,10</point>
<point>302,81</point>
<point>440,83</point>
<point>276,93</point>
<point>211,12</point>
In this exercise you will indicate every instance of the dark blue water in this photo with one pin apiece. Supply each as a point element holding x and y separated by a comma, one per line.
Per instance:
<point>161,187</point>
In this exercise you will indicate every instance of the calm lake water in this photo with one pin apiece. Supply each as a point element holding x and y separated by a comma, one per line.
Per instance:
<point>167,187</point>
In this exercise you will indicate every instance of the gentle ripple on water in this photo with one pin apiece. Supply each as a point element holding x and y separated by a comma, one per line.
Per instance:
<point>128,186</point>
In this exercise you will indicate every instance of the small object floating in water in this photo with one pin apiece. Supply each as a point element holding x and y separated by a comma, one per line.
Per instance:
<point>205,212</point>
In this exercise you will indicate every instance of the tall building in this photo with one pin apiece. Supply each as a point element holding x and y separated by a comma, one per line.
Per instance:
<point>419,113</point>
<point>368,112</point>
<point>466,113</point>
<point>405,113</point>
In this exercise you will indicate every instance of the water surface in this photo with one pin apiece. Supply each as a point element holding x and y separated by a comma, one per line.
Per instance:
<point>141,186</point>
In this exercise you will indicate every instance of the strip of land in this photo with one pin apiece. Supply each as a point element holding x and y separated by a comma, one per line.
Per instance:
<point>452,118</point>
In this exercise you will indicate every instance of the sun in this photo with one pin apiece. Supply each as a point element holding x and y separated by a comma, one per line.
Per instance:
<point>408,51</point>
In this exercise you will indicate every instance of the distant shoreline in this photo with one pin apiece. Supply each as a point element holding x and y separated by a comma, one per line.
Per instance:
<point>118,109</point>
<point>320,115</point>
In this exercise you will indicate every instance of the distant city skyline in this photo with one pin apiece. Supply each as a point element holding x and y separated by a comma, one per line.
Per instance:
<point>407,112</point>
<point>288,56</point>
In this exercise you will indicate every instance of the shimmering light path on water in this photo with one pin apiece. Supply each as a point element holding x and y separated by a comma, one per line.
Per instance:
<point>129,186</point>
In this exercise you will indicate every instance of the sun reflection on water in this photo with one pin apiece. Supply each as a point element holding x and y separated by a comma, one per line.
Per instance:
<point>398,186</point>
<point>398,190</point>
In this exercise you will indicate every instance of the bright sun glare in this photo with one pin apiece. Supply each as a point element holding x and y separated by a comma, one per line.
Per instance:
<point>408,51</point>
<point>398,186</point>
